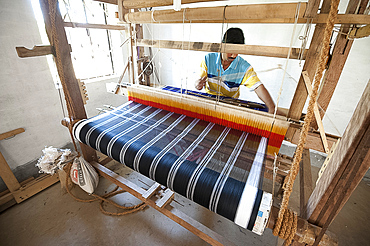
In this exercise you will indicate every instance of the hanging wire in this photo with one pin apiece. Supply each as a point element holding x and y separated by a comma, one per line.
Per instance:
<point>288,57</point>
<point>222,49</point>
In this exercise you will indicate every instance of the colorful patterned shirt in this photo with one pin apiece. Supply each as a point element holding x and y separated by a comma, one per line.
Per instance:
<point>240,72</point>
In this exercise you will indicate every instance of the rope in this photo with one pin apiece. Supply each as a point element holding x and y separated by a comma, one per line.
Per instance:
<point>280,223</point>
<point>104,198</point>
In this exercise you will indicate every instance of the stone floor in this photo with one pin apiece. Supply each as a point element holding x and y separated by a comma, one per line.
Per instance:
<point>52,218</point>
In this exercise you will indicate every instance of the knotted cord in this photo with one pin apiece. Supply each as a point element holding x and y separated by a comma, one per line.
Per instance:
<point>285,216</point>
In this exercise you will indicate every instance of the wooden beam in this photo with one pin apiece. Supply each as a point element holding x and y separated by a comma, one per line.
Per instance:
<point>230,13</point>
<point>174,214</point>
<point>7,175</point>
<point>305,180</point>
<point>340,53</point>
<point>361,32</point>
<point>305,233</point>
<point>313,138</point>
<point>94,26</point>
<point>37,50</point>
<point>70,85</point>
<point>300,95</point>
<point>257,50</point>
<point>316,112</point>
<point>345,169</point>
<point>312,7</point>
<point>35,186</point>
<point>11,133</point>
<point>137,4</point>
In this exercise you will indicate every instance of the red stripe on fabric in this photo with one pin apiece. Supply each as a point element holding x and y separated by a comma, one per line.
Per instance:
<point>275,139</point>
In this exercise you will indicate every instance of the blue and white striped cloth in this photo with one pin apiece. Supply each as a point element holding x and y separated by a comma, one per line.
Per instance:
<point>215,166</point>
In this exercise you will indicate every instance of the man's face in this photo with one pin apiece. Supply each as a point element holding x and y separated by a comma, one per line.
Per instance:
<point>228,57</point>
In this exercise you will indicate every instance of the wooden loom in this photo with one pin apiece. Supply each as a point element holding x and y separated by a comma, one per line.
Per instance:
<point>348,163</point>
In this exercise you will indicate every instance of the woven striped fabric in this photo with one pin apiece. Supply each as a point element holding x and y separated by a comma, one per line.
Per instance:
<point>215,166</point>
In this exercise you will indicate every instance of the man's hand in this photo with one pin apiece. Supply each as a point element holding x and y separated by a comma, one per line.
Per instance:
<point>200,83</point>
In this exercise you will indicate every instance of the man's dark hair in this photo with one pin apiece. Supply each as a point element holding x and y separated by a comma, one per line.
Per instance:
<point>233,36</point>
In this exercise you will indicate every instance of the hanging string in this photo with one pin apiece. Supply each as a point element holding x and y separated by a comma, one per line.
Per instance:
<point>222,49</point>
<point>288,57</point>
<point>304,39</point>
<point>289,180</point>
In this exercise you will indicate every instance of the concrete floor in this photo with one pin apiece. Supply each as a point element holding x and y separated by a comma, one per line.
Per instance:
<point>52,218</point>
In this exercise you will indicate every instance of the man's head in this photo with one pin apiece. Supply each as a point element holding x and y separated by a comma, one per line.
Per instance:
<point>232,36</point>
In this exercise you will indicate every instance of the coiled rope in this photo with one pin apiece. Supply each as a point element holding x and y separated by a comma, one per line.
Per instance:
<point>104,198</point>
<point>286,223</point>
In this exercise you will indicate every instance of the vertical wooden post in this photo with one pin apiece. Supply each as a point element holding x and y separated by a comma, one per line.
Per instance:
<point>310,66</point>
<point>70,85</point>
<point>339,56</point>
<point>305,179</point>
<point>345,169</point>
<point>7,175</point>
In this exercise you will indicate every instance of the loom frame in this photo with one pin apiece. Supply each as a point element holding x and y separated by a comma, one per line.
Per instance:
<point>342,177</point>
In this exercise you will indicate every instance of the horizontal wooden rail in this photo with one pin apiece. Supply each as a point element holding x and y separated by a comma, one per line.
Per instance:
<point>37,50</point>
<point>94,26</point>
<point>256,50</point>
<point>220,13</point>
<point>136,4</point>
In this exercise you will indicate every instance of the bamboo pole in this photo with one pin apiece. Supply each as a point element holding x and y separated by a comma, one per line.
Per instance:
<point>96,26</point>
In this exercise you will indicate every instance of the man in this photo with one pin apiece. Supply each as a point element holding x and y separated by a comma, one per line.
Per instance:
<point>233,70</point>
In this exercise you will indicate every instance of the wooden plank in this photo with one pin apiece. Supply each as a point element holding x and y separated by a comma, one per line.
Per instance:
<point>340,53</point>
<point>152,190</point>
<point>349,19</point>
<point>94,26</point>
<point>361,32</point>
<point>313,140</point>
<point>136,4</point>
<point>174,214</point>
<point>305,179</point>
<point>35,186</point>
<point>11,133</point>
<point>70,85</point>
<point>308,83</point>
<point>7,175</point>
<point>312,8</point>
<point>257,50</point>
<point>133,4</point>
<point>233,12</point>
<point>37,50</point>
<point>167,198</point>
<point>350,150</point>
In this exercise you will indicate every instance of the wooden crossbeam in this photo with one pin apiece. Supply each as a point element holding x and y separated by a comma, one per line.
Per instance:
<point>94,26</point>
<point>316,112</point>
<point>257,50</point>
<point>37,50</point>
<point>135,4</point>
<point>220,13</point>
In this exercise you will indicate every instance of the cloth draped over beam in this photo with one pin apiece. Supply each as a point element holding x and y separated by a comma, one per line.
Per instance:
<point>215,166</point>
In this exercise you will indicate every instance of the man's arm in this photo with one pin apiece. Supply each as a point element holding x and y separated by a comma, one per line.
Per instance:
<point>264,95</point>
<point>200,83</point>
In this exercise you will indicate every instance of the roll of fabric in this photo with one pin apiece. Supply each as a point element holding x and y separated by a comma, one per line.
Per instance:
<point>215,166</point>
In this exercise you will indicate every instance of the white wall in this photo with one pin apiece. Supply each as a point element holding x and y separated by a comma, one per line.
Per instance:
<point>181,68</point>
<point>28,97</point>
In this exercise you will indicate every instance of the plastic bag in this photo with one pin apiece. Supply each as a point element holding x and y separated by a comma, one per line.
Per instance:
<point>54,159</point>
<point>84,175</point>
